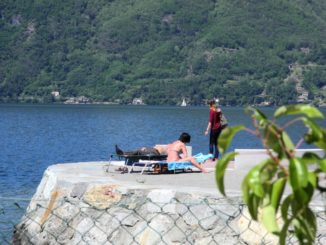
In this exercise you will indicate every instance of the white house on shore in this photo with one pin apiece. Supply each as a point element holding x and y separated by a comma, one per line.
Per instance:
<point>138,101</point>
<point>55,94</point>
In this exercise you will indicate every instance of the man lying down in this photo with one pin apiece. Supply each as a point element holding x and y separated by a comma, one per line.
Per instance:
<point>156,150</point>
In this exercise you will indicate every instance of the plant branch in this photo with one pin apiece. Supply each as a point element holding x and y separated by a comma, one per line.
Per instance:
<point>254,132</point>
<point>291,122</point>
<point>270,153</point>
<point>300,142</point>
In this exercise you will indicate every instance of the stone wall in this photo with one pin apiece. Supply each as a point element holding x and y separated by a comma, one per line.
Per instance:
<point>111,214</point>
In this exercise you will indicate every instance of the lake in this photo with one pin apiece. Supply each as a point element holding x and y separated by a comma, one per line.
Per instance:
<point>36,136</point>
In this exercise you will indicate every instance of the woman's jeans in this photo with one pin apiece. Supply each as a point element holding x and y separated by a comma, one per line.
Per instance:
<point>213,141</point>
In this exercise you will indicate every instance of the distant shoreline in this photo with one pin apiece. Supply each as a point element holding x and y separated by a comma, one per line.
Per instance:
<point>139,105</point>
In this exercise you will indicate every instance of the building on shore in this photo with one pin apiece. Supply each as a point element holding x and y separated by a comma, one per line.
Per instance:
<point>138,101</point>
<point>78,100</point>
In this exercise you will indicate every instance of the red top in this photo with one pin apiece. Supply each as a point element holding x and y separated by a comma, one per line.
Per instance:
<point>215,119</point>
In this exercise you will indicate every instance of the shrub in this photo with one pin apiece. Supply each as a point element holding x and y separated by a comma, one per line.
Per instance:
<point>264,185</point>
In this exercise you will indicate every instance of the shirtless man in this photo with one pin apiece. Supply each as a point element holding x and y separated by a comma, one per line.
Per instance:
<point>177,152</point>
<point>155,151</point>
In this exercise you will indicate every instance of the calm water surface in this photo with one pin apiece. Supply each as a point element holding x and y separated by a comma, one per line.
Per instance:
<point>32,137</point>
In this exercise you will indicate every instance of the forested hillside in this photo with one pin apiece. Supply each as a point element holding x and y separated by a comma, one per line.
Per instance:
<point>242,51</point>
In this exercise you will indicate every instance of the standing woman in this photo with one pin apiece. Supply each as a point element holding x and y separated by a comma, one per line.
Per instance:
<point>214,127</point>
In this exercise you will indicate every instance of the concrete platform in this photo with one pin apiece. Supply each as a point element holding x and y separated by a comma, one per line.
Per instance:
<point>102,172</point>
<point>107,172</point>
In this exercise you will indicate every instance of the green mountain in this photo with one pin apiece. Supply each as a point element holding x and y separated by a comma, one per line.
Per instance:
<point>241,51</point>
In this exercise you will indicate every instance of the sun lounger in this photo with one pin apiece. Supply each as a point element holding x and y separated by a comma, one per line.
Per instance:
<point>133,160</point>
<point>130,159</point>
<point>200,158</point>
<point>177,165</point>
<point>144,164</point>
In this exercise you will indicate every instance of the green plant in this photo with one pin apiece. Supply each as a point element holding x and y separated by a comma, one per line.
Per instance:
<point>263,188</point>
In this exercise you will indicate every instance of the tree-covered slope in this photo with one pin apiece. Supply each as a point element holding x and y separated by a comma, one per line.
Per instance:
<point>242,51</point>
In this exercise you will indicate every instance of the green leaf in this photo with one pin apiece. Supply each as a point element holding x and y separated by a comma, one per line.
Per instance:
<point>272,135</point>
<point>277,192</point>
<point>252,188</point>
<point>246,189</point>
<point>280,111</point>
<point>298,174</point>
<point>315,132</point>
<point>269,219</point>
<point>285,206</point>
<point>312,179</point>
<point>322,165</point>
<point>287,142</point>
<point>322,142</point>
<point>258,115</point>
<point>310,158</point>
<point>253,204</point>
<point>308,110</point>
<point>308,223</point>
<point>305,226</point>
<point>284,231</point>
<point>254,181</point>
<point>220,170</point>
<point>268,171</point>
<point>304,195</point>
<point>227,136</point>
<point>313,158</point>
<point>287,222</point>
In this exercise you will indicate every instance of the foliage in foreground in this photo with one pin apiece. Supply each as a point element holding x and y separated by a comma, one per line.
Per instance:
<point>263,187</point>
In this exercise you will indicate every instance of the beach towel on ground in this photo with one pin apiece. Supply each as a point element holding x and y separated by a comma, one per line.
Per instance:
<point>200,157</point>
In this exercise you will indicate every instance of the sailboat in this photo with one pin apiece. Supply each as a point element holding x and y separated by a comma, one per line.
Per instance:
<point>183,102</point>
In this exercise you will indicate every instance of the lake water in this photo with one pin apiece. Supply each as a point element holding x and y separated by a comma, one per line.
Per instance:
<point>32,137</point>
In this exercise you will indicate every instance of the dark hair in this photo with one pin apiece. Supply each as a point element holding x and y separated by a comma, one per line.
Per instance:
<point>185,137</point>
<point>212,102</point>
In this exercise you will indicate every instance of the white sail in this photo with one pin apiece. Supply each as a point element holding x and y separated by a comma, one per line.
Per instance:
<point>183,103</point>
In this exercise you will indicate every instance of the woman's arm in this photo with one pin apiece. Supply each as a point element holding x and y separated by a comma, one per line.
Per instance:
<point>208,128</point>
<point>209,125</point>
